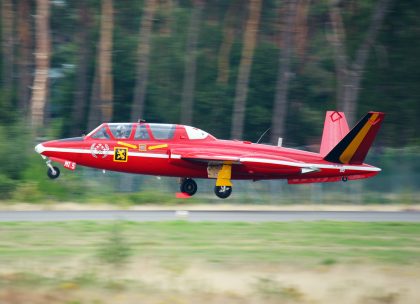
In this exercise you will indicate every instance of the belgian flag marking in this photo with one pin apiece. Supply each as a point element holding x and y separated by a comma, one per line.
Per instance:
<point>348,153</point>
<point>353,148</point>
<point>120,154</point>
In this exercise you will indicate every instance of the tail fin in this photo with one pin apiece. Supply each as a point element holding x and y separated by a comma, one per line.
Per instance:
<point>352,149</point>
<point>335,128</point>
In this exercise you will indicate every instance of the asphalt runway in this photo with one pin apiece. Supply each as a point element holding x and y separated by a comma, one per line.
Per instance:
<point>211,216</point>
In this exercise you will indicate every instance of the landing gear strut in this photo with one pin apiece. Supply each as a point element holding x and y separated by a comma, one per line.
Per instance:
<point>223,191</point>
<point>53,172</point>
<point>188,186</point>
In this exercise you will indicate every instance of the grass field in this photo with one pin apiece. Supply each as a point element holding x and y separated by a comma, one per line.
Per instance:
<point>184,262</point>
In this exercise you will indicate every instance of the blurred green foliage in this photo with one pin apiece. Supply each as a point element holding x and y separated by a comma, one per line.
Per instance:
<point>390,82</point>
<point>14,144</point>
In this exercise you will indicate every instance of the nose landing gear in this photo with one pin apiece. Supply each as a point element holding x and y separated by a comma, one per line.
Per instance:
<point>53,171</point>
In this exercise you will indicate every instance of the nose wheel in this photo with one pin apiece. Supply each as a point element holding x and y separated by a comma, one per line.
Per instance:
<point>188,186</point>
<point>223,191</point>
<point>53,172</point>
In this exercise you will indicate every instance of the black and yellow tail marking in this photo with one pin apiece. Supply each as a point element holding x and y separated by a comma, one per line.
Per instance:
<point>353,148</point>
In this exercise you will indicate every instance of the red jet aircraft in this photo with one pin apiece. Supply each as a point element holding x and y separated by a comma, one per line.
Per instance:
<point>188,152</point>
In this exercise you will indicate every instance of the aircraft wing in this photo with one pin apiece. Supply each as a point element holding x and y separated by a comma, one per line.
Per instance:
<point>267,162</point>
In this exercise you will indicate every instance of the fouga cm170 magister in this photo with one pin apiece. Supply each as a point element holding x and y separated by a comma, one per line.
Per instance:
<point>187,152</point>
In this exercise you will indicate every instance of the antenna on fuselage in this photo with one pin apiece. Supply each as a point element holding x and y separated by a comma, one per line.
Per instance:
<point>141,120</point>
<point>262,135</point>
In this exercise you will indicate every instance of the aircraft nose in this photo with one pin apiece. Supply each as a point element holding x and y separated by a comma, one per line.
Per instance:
<point>39,148</point>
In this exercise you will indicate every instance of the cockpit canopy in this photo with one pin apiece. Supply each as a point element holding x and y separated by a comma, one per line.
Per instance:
<point>148,131</point>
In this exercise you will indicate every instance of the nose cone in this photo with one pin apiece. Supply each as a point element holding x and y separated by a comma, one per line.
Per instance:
<point>39,148</point>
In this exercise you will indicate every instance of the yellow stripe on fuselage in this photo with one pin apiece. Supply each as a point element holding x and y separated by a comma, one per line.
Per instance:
<point>348,153</point>
<point>157,147</point>
<point>121,143</point>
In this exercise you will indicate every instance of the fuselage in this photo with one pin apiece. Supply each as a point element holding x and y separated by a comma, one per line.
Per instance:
<point>183,151</point>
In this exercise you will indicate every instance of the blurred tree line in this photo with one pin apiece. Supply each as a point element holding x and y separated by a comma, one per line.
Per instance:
<point>233,68</point>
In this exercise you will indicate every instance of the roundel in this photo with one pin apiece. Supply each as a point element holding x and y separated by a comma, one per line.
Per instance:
<point>98,149</point>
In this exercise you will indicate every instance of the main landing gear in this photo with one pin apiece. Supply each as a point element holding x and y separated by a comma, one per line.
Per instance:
<point>188,186</point>
<point>223,191</point>
<point>53,171</point>
<point>221,172</point>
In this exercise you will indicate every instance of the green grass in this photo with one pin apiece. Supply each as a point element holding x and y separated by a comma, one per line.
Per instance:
<point>119,262</point>
<point>297,242</point>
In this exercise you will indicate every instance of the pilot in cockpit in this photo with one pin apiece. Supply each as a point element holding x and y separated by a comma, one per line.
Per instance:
<point>122,131</point>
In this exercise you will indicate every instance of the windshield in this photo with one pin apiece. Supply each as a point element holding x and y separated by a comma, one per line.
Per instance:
<point>194,133</point>
<point>101,133</point>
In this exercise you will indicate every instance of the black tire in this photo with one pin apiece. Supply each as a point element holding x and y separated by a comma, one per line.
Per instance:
<point>189,186</point>
<point>223,191</point>
<point>344,178</point>
<point>55,174</point>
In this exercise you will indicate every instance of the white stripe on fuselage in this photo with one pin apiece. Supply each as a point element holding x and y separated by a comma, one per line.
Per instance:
<point>40,149</point>
<point>85,151</point>
<point>306,165</point>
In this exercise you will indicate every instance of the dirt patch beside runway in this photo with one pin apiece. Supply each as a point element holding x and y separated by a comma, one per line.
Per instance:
<point>149,281</point>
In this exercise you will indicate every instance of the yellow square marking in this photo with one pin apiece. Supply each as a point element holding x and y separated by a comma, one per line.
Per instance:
<point>120,154</point>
